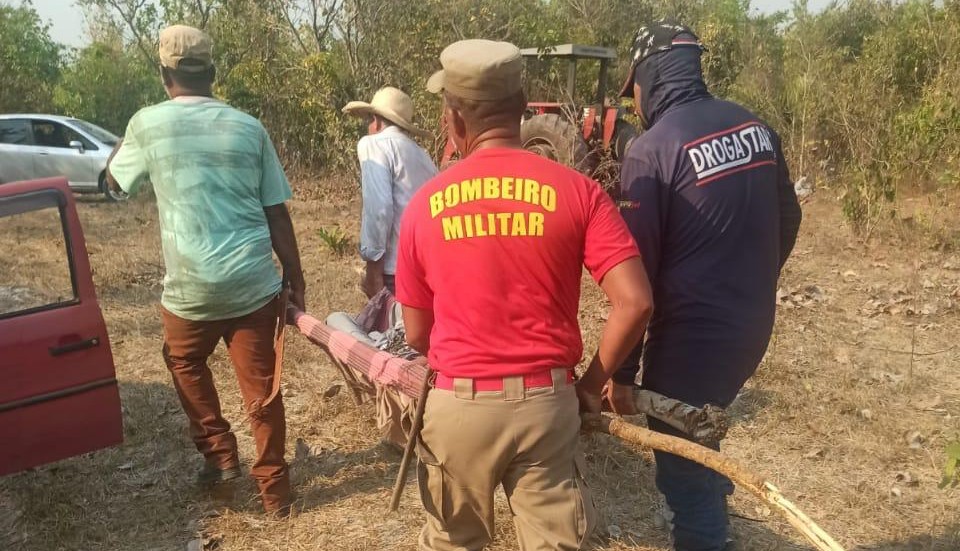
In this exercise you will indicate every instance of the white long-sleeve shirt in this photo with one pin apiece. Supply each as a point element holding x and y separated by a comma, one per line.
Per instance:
<point>392,169</point>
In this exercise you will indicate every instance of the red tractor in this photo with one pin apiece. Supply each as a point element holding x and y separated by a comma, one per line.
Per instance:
<point>575,135</point>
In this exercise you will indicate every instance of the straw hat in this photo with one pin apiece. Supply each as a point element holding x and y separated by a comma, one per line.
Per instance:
<point>391,104</point>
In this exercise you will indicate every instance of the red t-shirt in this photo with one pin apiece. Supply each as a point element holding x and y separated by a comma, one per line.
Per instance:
<point>495,247</point>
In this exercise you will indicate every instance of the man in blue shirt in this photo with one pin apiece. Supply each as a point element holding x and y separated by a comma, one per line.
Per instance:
<point>392,168</point>
<point>707,195</point>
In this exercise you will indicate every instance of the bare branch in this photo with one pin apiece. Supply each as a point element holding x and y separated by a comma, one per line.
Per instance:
<point>323,16</point>
<point>284,8</point>
<point>129,17</point>
<point>203,10</point>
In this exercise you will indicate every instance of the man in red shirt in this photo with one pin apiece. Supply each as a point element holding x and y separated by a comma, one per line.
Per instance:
<point>491,254</point>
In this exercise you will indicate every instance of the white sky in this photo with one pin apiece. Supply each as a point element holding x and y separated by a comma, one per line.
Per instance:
<point>68,26</point>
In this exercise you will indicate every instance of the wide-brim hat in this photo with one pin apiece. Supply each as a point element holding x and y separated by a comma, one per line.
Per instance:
<point>391,104</point>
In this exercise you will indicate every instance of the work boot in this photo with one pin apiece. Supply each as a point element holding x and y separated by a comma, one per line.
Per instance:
<point>211,475</point>
<point>276,496</point>
<point>279,511</point>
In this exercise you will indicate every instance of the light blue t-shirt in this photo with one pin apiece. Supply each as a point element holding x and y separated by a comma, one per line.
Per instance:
<point>213,170</point>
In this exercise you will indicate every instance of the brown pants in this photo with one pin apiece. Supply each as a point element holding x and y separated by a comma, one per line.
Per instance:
<point>526,440</point>
<point>250,342</point>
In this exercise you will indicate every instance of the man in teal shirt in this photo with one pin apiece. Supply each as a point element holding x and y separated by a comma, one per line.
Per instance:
<point>220,193</point>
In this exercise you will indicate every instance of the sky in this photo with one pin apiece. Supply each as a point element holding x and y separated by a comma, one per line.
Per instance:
<point>68,26</point>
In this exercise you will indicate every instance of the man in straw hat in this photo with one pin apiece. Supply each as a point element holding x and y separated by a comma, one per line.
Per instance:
<point>491,256</point>
<point>220,192</point>
<point>392,169</point>
<point>707,195</point>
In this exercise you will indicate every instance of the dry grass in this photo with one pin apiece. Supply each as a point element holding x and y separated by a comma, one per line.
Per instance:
<point>858,364</point>
<point>32,276</point>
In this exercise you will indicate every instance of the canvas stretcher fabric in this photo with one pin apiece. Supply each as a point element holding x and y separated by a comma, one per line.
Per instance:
<point>371,345</point>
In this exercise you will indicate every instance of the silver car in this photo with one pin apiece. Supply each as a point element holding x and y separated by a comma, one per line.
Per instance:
<point>41,146</point>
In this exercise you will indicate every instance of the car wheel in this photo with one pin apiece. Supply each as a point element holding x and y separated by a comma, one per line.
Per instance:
<point>111,195</point>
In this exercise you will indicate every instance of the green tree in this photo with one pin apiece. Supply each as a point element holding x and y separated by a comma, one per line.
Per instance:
<point>864,92</point>
<point>29,60</point>
<point>106,85</point>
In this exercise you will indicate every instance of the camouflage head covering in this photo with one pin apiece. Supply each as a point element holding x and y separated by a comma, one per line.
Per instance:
<point>657,37</point>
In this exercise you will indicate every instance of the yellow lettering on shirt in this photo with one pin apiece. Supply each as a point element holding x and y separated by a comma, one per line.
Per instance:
<point>471,190</point>
<point>502,224</point>
<point>436,204</point>
<point>548,198</point>
<point>504,218</point>
<point>469,225</point>
<point>452,227</point>
<point>506,187</point>
<point>519,225</point>
<point>451,196</point>
<point>491,188</point>
<point>525,190</point>
<point>535,227</point>
<point>531,192</point>
<point>478,221</point>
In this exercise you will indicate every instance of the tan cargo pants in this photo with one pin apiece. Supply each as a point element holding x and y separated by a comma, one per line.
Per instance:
<point>526,440</point>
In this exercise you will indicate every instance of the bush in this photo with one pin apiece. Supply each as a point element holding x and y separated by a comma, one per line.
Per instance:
<point>29,61</point>
<point>106,85</point>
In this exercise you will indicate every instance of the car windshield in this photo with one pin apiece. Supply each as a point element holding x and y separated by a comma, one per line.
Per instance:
<point>103,136</point>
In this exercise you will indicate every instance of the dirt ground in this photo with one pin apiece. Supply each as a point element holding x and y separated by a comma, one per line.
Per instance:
<point>849,414</point>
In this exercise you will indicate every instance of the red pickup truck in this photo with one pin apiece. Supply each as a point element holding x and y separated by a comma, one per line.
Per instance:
<point>58,386</point>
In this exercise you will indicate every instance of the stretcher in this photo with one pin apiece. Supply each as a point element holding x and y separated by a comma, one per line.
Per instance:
<point>352,356</point>
<point>401,382</point>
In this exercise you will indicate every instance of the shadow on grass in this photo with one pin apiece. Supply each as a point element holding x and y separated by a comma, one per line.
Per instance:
<point>332,475</point>
<point>132,497</point>
<point>142,496</point>
<point>748,404</point>
<point>622,479</point>
<point>949,540</point>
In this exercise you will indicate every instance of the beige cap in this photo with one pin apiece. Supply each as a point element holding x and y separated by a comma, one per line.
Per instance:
<point>390,103</point>
<point>481,70</point>
<point>185,49</point>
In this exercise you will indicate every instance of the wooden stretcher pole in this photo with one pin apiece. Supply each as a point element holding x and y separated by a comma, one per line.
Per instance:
<point>348,378</point>
<point>412,438</point>
<point>721,464</point>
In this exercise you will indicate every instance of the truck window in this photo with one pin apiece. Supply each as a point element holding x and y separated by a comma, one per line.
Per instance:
<point>33,275</point>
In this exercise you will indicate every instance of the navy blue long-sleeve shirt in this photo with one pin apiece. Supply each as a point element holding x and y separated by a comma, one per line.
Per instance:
<point>707,195</point>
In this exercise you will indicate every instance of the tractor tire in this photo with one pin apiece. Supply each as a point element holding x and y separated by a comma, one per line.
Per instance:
<point>623,135</point>
<point>557,139</point>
